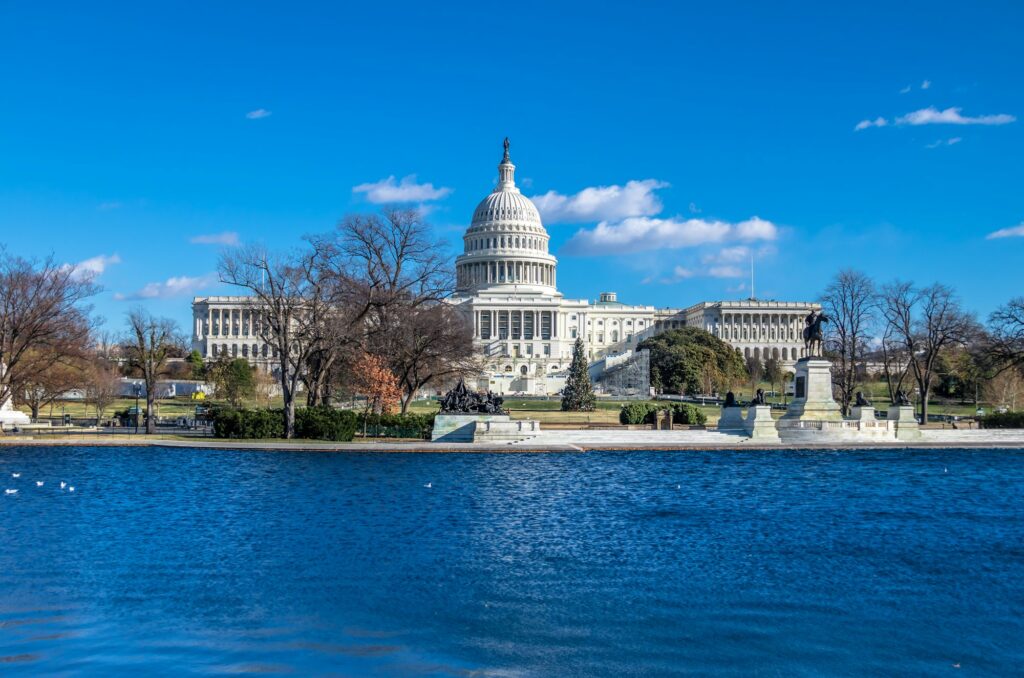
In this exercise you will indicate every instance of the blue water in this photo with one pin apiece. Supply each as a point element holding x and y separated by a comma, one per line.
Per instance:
<point>777,563</point>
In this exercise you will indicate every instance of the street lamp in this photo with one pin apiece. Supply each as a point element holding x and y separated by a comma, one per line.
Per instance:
<point>138,391</point>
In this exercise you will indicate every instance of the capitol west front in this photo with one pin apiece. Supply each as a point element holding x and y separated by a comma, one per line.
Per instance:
<point>506,283</point>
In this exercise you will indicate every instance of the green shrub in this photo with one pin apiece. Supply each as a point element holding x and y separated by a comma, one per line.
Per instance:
<point>231,423</point>
<point>325,423</point>
<point>637,413</point>
<point>645,413</point>
<point>1003,420</point>
<point>688,413</point>
<point>408,425</point>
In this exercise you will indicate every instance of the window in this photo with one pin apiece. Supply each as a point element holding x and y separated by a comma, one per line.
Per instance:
<point>600,338</point>
<point>572,333</point>
<point>572,317</point>
<point>547,349</point>
<point>524,370</point>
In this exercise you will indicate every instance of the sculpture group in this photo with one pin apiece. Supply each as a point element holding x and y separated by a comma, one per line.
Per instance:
<point>460,400</point>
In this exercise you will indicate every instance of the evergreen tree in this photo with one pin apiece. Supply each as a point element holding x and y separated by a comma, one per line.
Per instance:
<point>578,396</point>
<point>195,361</point>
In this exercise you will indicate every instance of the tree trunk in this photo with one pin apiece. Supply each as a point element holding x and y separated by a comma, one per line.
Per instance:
<point>150,418</point>
<point>924,404</point>
<point>289,414</point>
<point>35,410</point>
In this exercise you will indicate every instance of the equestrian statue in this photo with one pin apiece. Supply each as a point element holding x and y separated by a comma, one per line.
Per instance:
<point>814,337</point>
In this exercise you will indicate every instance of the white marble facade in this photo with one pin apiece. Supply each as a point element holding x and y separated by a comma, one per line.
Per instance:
<point>226,326</point>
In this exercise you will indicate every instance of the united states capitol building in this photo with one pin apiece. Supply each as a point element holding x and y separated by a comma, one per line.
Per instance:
<point>524,328</point>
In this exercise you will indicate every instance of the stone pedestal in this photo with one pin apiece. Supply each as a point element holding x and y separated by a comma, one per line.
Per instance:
<point>471,428</point>
<point>10,417</point>
<point>731,420</point>
<point>863,413</point>
<point>812,395</point>
<point>759,424</point>
<point>905,422</point>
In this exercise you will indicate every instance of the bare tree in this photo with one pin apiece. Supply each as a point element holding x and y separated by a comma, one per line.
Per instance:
<point>1006,335</point>
<point>103,385</point>
<point>43,318</point>
<point>288,301</point>
<point>429,343</point>
<point>924,322</point>
<point>850,303</point>
<point>150,342</point>
<point>387,278</point>
<point>52,383</point>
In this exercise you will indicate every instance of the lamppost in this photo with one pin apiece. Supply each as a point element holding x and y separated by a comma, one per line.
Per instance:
<point>138,391</point>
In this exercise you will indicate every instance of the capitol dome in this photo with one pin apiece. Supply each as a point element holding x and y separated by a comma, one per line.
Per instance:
<point>506,246</point>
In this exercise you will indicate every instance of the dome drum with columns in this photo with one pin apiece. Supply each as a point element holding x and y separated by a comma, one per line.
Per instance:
<point>506,246</point>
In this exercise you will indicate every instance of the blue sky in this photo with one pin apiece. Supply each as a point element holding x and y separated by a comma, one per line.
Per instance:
<point>141,138</point>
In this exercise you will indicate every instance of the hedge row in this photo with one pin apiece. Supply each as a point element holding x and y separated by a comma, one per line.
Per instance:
<point>644,413</point>
<point>408,425</point>
<point>311,423</point>
<point>1003,420</point>
<point>318,423</point>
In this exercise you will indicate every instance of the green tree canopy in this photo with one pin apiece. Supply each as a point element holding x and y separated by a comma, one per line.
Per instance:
<point>690,360</point>
<point>233,380</point>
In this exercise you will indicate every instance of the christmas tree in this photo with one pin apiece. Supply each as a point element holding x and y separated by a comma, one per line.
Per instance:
<point>578,396</point>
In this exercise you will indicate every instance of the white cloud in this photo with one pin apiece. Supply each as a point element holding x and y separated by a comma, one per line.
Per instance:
<point>933,116</point>
<point>906,90</point>
<point>877,122</point>
<point>1012,232</point>
<point>637,234</point>
<point>926,84</point>
<point>944,142</point>
<point>110,205</point>
<point>172,287</point>
<point>951,116</point>
<point>729,254</point>
<point>726,272</point>
<point>226,238</point>
<point>92,267</point>
<point>694,209</point>
<point>258,114</point>
<point>601,203</point>
<point>407,190</point>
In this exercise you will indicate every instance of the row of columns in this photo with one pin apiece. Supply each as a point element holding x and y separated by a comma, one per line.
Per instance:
<point>490,272</point>
<point>760,326</point>
<point>543,324</point>
<point>227,323</point>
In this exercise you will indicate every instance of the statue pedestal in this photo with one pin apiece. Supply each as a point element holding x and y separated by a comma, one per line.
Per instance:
<point>731,420</point>
<point>10,417</point>
<point>863,413</point>
<point>479,428</point>
<point>759,424</point>
<point>905,422</point>
<point>813,392</point>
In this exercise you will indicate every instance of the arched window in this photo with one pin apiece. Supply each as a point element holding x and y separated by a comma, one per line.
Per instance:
<point>524,370</point>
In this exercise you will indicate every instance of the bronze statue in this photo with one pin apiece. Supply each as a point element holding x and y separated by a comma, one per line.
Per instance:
<point>759,398</point>
<point>861,400</point>
<point>901,398</point>
<point>506,158</point>
<point>814,337</point>
<point>460,400</point>
<point>730,400</point>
